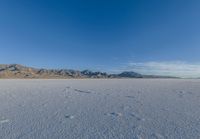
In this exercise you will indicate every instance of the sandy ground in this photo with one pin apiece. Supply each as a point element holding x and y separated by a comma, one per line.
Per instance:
<point>100,109</point>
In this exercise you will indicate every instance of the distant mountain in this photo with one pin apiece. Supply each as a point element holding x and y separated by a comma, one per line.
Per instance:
<point>157,76</point>
<point>130,74</point>
<point>20,71</point>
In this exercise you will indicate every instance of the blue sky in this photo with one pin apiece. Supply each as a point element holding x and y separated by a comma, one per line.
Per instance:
<point>107,35</point>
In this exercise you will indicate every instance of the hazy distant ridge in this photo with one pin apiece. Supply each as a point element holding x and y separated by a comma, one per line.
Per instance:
<point>20,71</point>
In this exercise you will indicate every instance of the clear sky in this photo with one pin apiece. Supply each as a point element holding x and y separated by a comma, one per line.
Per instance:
<point>148,36</point>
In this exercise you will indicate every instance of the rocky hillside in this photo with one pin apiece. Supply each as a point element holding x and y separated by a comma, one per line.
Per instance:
<point>19,71</point>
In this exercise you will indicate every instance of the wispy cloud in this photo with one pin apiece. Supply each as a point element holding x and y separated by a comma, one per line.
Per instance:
<point>174,68</point>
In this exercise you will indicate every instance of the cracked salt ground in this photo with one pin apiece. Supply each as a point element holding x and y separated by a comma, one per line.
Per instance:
<point>114,109</point>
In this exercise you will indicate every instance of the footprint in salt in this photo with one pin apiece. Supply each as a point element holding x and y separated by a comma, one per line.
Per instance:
<point>137,117</point>
<point>67,92</point>
<point>114,114</point>
<point>82,91</point>
<point>69,116</point>
<point>180,94</point>
<point>3,120</point>
<point>130,97</point>
<point>67,89</point>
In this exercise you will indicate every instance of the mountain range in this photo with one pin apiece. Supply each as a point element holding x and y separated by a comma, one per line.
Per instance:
<point>15,71</point>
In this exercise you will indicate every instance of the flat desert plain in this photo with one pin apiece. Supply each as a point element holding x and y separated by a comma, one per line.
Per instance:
<point>100,109</point>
